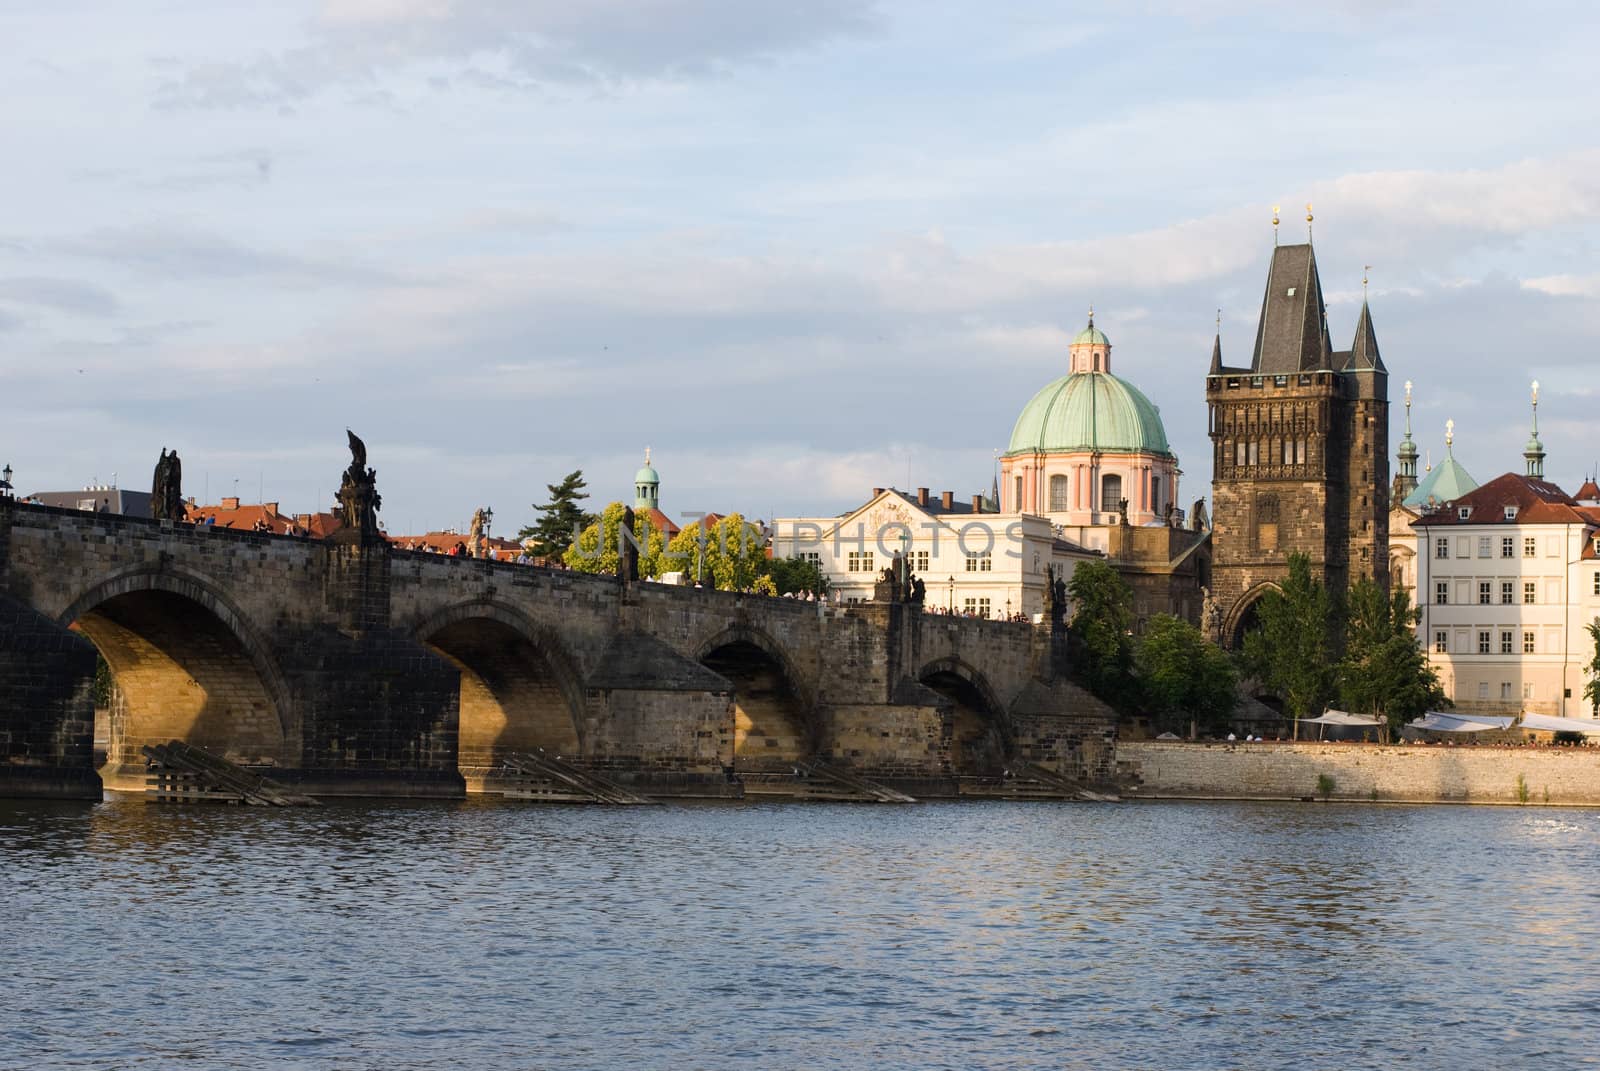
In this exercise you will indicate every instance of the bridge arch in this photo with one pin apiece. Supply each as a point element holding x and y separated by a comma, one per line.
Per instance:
<point>776,721</point>
<point>1242,615</point>
<point>521,689</point>
<point>187,664</point>
<point>978,735</point>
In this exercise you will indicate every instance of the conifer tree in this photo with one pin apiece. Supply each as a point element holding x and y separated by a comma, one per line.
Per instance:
<point>560,517</point>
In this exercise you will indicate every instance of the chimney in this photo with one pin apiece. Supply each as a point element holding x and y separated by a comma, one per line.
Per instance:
<point>876,491</point>
<point>947,500</point>
<point>977,503</point>
<point>230,503</point>
<point>922,496</point>
<point>271,508</point>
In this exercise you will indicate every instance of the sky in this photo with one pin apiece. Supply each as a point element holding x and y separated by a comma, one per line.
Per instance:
<point>799,250</point>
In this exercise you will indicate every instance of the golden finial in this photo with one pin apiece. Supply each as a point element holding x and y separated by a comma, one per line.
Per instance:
<point>1091,314</point>
<point>1365,268</point>
<point>1408,394</point>
<point>1449,433</point>
<point>1308,221</point>
<point>1274,224</point>
<point>647,456</point>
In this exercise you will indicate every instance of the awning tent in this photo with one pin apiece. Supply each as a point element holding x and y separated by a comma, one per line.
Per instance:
<point>1342,717</point>
<point>1438,722</point>
<point>1548,723</point>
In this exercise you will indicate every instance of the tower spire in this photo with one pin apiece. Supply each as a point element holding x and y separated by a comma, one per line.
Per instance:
<point>1216,348</point>
<point>1405,480</point>
<point>1533,453</point>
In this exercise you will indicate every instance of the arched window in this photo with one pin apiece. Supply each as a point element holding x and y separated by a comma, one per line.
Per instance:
<point>1110,491</point>
<point>1059,499</point>
<point>1155,495</point>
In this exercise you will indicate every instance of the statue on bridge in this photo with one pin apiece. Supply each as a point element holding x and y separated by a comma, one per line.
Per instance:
<point>359,500</point>
<point>1055,599</point>
<point>475,536</point>
<point>166,490</point>
<point>627,549</point>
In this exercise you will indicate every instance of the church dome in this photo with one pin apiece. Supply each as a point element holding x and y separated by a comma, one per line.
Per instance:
<point>646,475</point>
<point>1091,336</point>
<point>1090,411</point>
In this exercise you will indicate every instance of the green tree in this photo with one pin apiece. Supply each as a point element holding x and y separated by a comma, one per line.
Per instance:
<point>560,517</point>
<point>797,575</point>
<point>1591,691</point>
<point>733,553</point>
<point>1102,631</point>
<point>1384,670</point>
<point>1185,677</point>
<point>1288,651</point>
<point>596,549</point>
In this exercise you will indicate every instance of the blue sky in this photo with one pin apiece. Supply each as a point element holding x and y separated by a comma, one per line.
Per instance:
<point>799,250</point>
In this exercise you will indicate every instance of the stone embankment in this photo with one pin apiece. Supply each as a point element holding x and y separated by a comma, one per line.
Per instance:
<point>1388,773</point>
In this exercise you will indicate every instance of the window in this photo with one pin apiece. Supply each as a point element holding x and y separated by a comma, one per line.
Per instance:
<point>1527,643</point>
<point>1255,453</point>
<point>1527,689</point>
<point>1441,593</point>
<point>919,560</point>
<point>1464,512</point>
<point>1441,547</point>
<point>1507,592</point>
<point>1596,579</point>
<point>1464,547</point>
<point>1530,547</point>
<point>979,563</point>
<point>1016,503</point>
<point>1441,642</point>
<point>1059,499</point>
<point>1483,689</point>
<point>1238,454</point>
<point>977,607</point>
<point>813,557</point>
<point>1508,547</point>
<point>1110,491</point>
<point>1155,494</point>
<point>1483,546</point>
<point>1300,452</point>
<point>1483,643</point>
<point>860,561</point>
<point>1505,689</point>
<point>1511,513</point>
<point>1483,593</point>
<point>1530,592</point>
<point>1505,643</point>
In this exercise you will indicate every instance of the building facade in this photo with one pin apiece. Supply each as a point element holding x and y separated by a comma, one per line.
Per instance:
<point>970,561</point>
<point>1299,450</point>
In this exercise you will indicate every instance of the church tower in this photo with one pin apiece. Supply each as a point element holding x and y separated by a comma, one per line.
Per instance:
<point>646,487</point>
<point>1299,450</point>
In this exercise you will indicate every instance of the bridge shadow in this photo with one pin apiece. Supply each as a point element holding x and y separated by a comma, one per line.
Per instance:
<point>976,733</point>
<point>179,672</point>
<point>519,693</point>
<point>774,727</point>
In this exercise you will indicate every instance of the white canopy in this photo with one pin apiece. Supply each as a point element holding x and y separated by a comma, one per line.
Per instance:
<point>1438,722</point>
<point>1343,717</point>
<point>1550,724</point>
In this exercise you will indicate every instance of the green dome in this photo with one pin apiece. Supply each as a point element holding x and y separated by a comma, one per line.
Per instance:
<point>1446,483</point>
<point>1090,411</point>
<point>1092,336</point>
<point>646,475</point>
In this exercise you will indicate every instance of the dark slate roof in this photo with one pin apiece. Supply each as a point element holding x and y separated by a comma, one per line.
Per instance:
<point>1364,350</point>
<point>1216,355</point>
<point>934,507</point>
<point>639,660</point>
<point>98,499</point>
<point>1293,332</point>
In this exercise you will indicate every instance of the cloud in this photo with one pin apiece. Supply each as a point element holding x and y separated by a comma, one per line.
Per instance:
<point>1565,285</point>
<point>596,43</point>
<point>184,252</point>
<point>62,295</point>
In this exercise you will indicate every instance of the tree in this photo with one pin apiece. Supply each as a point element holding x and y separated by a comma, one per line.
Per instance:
<point>1591,691</point>
<point>1384,670</point>
<point>1102,631</point>
<point>596,549</point>
<point>1184,676</point>
<point>733,553</point>
<point>797,575</point>
<point>1288,652</point>
<point>560,517</point>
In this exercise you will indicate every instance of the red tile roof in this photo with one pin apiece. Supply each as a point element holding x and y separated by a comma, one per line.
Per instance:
<point>443,542</point>
<point>1535,502</point>
<point>263,516</point>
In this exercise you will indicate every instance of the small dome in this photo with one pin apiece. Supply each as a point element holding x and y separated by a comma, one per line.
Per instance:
<point>1091,336</point>
<point>1090,411</point>
<point>646,475</point>
<point>1446,483</point>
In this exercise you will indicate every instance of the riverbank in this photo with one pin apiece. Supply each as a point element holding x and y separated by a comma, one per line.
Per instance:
<point>1565,776</point>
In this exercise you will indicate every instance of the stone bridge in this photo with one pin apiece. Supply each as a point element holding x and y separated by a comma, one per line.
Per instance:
<point>352,670</point>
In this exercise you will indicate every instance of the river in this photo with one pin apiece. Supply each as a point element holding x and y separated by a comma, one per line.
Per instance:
<point>490,934</point>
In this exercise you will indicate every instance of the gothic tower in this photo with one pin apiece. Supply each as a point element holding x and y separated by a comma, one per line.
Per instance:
<point>1299,450</point>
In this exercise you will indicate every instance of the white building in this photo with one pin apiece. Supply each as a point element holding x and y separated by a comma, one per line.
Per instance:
<point>1507,581</point>
<point>970,561</point>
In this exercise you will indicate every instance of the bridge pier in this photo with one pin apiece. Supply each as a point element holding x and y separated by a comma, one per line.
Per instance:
<point>46,708</point>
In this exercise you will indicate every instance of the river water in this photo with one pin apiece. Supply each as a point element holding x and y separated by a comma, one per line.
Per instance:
<point>490,934</point>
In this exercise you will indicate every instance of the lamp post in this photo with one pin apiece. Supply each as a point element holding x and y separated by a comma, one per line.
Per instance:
<point>950,606</point>
<point>5,481</point>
